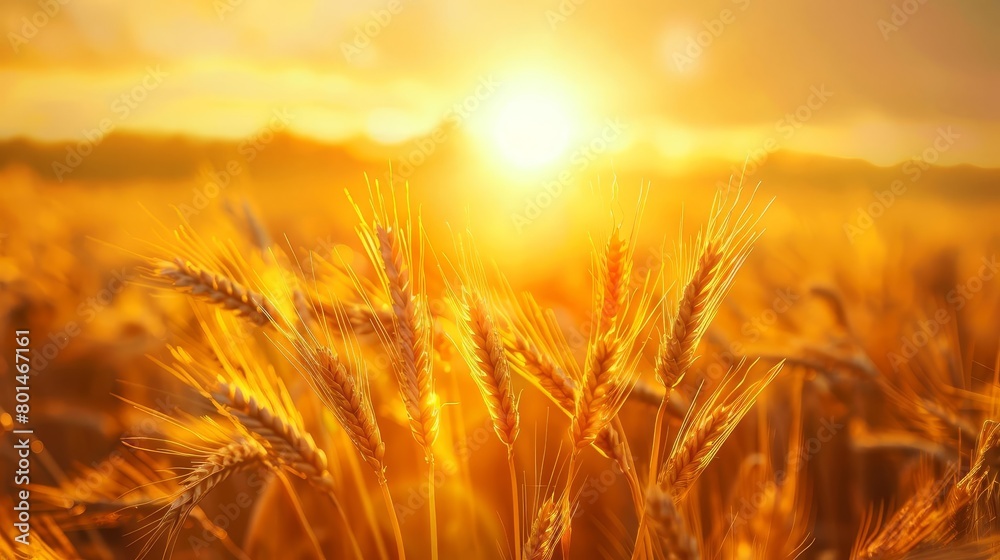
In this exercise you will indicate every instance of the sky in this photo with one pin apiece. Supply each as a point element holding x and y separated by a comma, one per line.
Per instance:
<point>525,81</point>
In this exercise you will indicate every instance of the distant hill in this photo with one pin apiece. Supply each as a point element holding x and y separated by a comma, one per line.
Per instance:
<point>126,157</point>
<point>130,157</point>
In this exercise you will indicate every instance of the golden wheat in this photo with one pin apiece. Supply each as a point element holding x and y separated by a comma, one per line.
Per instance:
<point>698,444</point>
<point>733,472</point>
<point>353,408</point>
<point>207,475</point>
<point>551,520</point>
<point>677,542</point>
<point>488,361</point>
<point>218,289</point>
<point>291,447</point>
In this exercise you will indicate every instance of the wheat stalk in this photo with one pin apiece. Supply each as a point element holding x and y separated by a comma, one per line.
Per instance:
<point>707,274</point>
<point>412,350</point>
<point>412,342</point>
<point>487,359</point>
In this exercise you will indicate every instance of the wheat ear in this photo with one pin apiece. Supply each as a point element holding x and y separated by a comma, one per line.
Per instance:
<point>411,344</point>
<point>927,513</point>
<point>549,524</point>
<point>980,485</point>
<point>690,321</point>
<point>488,361</point>
<point>287,443</point>
<point>608,379</point>
<point>536,365</point>
<point>341,382</point>
<point>707,273</point>
<point>414,344</point>
<point>698,444</point>
<point>286,446</point>
<point>609,371</point>
<point>608,375</point>
<point>215,469</point>
<point>616,267</point>
<point>252,396</point>
<point>352,406</point>
<point>217,289</point>
<point>677,543</point>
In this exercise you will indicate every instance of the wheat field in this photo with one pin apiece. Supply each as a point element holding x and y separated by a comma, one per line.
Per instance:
<point>676,391</point>
<point>505,279</point>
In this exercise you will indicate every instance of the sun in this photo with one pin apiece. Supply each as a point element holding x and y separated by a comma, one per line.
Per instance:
<point>533,128</point>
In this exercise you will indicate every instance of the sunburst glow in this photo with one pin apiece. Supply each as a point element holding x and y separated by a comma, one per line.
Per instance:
<point>533,128</point>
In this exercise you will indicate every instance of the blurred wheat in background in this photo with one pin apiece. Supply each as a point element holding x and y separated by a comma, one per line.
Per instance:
<point>578,279</point>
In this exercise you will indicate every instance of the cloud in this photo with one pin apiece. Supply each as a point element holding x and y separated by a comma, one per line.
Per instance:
<point>751,62</point>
